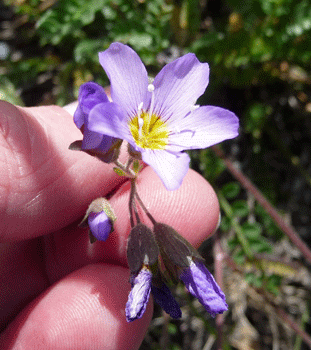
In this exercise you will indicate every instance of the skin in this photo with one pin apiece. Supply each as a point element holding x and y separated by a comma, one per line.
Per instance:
<point>57,290</point>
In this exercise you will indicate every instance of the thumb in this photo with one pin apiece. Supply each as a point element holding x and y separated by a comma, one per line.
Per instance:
<point>43,185</point>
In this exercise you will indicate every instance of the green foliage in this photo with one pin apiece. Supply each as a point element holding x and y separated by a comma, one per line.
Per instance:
<point>256,33</point>
<point>72,32</point>
<point>231,190</point>
<point>8,92</point>
<point>91,26</point>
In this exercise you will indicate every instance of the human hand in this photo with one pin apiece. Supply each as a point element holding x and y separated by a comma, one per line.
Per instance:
<point>57,290</point>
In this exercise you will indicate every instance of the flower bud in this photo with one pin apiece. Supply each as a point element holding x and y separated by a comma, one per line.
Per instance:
<point>100,225</point>
<point>201,284</point>
<point>163,296</point>
<point>139,295</point>
<point>142,248</point>
<point>103,147</point>
<point>100,218</point>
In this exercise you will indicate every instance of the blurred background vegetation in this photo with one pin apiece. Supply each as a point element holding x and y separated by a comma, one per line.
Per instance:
<point>259,53</point>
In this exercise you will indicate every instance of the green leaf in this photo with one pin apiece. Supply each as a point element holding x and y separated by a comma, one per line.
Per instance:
<point>252,230</point>
<point>240,208</point>
<point>254,279</point>
<point>231,190</point>
<point>225,224</point>
<point>8,92</point>
<point>87,51</point>
<point>119,171</point>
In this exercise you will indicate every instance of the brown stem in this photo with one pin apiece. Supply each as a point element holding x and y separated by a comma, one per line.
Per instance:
<point>131,201</point>
<point>293,325</point>
<point>141,203</point>
<point>218,261</point>
<point>248,185</point>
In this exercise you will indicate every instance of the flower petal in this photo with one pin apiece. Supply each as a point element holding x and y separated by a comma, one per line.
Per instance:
<point>91,94</point>
<point>201,284</point>
<point>127,75</point>
<point>165,299</point>
<point>171,168</point>
<point>78,117</point>
<point>108,119</point>
<point>203,128</point>
<point>139,296</point>
<point>100,225</point>
<point>95,141</point>
<point>178,85</point>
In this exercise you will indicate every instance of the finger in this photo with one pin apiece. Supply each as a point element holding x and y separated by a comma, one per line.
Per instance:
<point>85,310</point>
<point>22,277</point>
<point>43,185</point>
<point>193,210</point>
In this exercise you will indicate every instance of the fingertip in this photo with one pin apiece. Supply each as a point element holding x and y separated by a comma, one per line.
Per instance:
<point>85,310</point>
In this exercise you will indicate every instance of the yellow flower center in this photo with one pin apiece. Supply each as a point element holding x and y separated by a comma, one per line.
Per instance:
<point>149,131</point>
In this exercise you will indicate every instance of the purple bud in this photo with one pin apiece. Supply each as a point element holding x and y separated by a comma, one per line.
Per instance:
<point>99,217</point>
<point>139,295</point>
<point>165,299</point>
<point>100,225</point>
<point>201,284</point>
<point>104,147</point>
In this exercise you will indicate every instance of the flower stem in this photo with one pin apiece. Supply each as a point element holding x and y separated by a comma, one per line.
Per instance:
<point>131,200</point>
<point>151,218</point>
<point>133,203</point>
<point>128,164</point>
<point>126,169</point>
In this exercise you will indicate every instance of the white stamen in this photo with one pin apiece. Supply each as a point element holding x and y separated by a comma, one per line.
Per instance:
<point>140,107</point>
<point>140,125</point>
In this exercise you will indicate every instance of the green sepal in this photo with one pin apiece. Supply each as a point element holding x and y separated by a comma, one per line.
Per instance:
<point>98,205</point>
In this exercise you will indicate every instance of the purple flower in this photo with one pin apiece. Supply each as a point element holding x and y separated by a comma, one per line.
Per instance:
<point>201,284</point>
<point>100,225</point>
<point>160,120</point>
<point>90,95</point>
<point>139,295</point>
<point>163,296</point>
